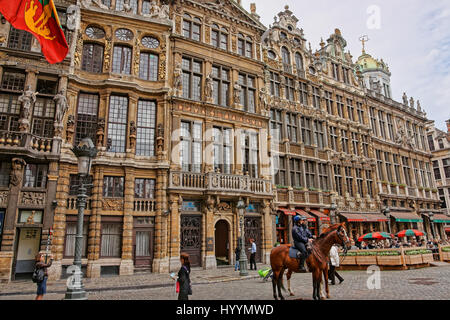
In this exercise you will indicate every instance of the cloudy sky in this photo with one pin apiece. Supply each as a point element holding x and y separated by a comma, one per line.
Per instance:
<point>411,36</point>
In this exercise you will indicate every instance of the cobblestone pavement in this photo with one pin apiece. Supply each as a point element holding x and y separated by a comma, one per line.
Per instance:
<point>222,284</point>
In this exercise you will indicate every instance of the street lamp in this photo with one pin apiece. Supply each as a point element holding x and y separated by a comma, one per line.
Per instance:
<point>333,209</point>
<point>243,256</point>
<point>431,215</point>
<point>387,212</point>
<point>85,152</point>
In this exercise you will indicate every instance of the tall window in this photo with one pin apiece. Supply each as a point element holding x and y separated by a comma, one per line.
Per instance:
<point>350,110</point>
<point>122,57</point>
<point>291,123</point>
<point>340,106</point>
<point>359,181</point>
<point>422,138</point>
<point>111,240</point>
<point>248,89</point>
<point>355,143</point>
<point>44,108</point>
<point>390,126</point>
<point>245,46</point>
<point>446,164</point>
<point>365,145</point>
<point>396,167</point>
<point>12,85</point>
<point>338,179</point>
<point>274,84</point>
<point>360,111</point>
<point>335,69</point>
<point>71,233</point>
<point>219,37</point>
<point>222,149</point>
<point>191,27</point>
<point>113,187</point>
<point>86,117</point>
<point>289,89</point>
<point>323,176</point>
<point>75,181</point>
<point>349,181</point>
<point>380,166</point>
<point>306,126</point>
<point>373,121</point>
<point>345,73</point>
<point>406,171</point>
<point>221,85</point>
<point>422,173</point>
<point>388,166</point>
<point>431,142</point>
<point>416,137</point>
<point>19,39</point>
<point>117,123</point>
<point>316,97</point>
<point>280,176</point>
<point>35,176</point>
<point>296,172</point>
<point>369,181</point>
<point>382,124</point>
<point>148,66</point>
<point>286,58</point>
<point>146,124</point>
<point>276,125</point>
<point>5,170</point>
<point>250,161</point>
<point>303,93</point>
<point>92,60</point>
<point>144,188</point>
<point>310,174</point>
<point>120,7</point>
<point>416,171</point>
<point>191,146</point>
<point>344,141</point>
<point>333,138</point>
<point>299,63</point>
<point>329,101</point>
<point>430,181</point>
<point>319,134</point>
<point>192,78</point>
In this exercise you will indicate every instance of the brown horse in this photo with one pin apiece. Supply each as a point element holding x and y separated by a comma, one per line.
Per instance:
<point>317,262</point>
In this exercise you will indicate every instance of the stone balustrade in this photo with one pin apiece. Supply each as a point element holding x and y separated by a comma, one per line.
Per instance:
<point>27,142</point>
<point>144,205</point>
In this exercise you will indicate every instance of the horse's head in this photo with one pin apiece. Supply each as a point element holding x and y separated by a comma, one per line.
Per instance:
<point>343,239</point>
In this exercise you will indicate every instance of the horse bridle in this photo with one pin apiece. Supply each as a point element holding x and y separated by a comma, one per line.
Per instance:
<point>344,242</point>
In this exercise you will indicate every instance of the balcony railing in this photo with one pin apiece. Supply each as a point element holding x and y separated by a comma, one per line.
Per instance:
<point>27,142</point>
<point>144,205</point>
<point>72,203</point>
<point>219,182</point>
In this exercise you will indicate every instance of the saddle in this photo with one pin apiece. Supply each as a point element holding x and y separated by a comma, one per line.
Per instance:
<point>296,254</point>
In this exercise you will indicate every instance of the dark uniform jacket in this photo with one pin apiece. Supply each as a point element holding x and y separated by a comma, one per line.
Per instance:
<point>301,234</point>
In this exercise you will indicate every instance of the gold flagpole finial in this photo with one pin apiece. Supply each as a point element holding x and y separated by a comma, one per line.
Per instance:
<point>363,40</point>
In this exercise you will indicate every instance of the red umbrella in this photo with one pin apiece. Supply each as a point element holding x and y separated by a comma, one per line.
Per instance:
<point>375,236</point>
<point>410,233</point>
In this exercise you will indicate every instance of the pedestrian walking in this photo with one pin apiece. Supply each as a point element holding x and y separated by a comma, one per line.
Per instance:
<point>184,280</point>
<point>237,253</point>
<point>40,274</point>
<point>334,263</point>
<point>252,254</point>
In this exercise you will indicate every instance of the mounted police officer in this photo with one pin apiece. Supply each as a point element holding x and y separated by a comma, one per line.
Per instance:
<point>302,236</point>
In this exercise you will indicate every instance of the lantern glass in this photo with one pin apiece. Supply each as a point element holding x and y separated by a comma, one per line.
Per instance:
<point>84,165</point>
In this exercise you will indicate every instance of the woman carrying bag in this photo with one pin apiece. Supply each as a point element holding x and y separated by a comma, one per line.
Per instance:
<point>184,281</point>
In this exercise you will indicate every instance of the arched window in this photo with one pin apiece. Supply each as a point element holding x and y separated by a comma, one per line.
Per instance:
<point>299,64</point>
<point>271,55</point>
<point>191,27</point>
<point>92,60</point>
<point>245,46</point>
<point>219,37</point>
<point>122,57</point>
<point>286,57</point>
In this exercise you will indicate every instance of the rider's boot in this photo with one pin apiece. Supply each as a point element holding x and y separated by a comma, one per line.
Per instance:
<point>301,266</point>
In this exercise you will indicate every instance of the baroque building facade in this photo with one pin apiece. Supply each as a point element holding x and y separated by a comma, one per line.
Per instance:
<point>194,105</point>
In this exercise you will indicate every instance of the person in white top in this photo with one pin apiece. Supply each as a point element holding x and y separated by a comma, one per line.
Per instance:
<point>334,263</point>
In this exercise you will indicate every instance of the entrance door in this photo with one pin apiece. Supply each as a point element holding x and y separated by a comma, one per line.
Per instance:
<point>222,244</point>
<point>191,238</point>
<point>253,230</point>
<point>143,234</point>
<point>282,228</point>
<point>27,249</point>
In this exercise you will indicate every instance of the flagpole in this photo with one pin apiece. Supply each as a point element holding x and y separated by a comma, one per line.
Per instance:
<point>56,12</point>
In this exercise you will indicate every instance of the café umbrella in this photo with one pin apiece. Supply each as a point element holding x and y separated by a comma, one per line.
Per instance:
<point>410,233</point>
<point>375,236</point>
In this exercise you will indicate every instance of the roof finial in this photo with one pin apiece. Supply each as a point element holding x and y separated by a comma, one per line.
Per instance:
<point>364,39</point>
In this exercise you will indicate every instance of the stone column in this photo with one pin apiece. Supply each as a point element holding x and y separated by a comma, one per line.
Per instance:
<point>209,256</point>
<point>174,241</point>
<point>161,259</point>
<point>127,264</point>
<point>209,146</point>
<point>238,156</point>
<point>268,236</point>
<point>132,124</point>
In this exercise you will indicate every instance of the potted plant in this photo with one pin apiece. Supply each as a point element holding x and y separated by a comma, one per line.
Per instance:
<point>347,260</point>
<point>366,257</point>
<point>389,258</point>
<point>413,257</point>
<point>421,188</point>
<point>402,185</point>
<point>434,190</point>
<point>384,182</point>
<point>282,187</point>
<point>394,184</point>
<point>445,253</point>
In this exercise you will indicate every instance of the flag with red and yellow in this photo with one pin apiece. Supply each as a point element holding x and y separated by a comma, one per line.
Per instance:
<point>40,18</point>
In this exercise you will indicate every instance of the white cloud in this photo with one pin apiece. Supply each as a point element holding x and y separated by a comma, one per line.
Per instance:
<point>414,39</point>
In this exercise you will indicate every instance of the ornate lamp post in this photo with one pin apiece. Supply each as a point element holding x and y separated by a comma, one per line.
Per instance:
<point>387,212</point>
<point>85,152</point>
<point>243,256</point>
<point>333,209</point>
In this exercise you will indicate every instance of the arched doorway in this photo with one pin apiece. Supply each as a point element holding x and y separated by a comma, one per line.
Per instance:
<point>222,243</point>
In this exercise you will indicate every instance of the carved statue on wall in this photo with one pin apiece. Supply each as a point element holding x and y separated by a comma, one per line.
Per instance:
<point>27,99</point>
<point>419,108</point>
<point>133,131</point>
<point>73,17</point>
<point>405,99</point>
<point>177,83</point>
<point>100,134</point>
<point>16,171</point>
<point>209,87</point>
<point>263,100</point>
<point>94,3</point>
<point>237,93</point>
<point>127,6</point>
<point>61,107</point>
<point>160,138</point>
<point>70,128</point>
<point>411,102</point>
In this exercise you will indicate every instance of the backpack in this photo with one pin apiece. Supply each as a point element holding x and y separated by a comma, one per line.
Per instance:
<point>38,275</point>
